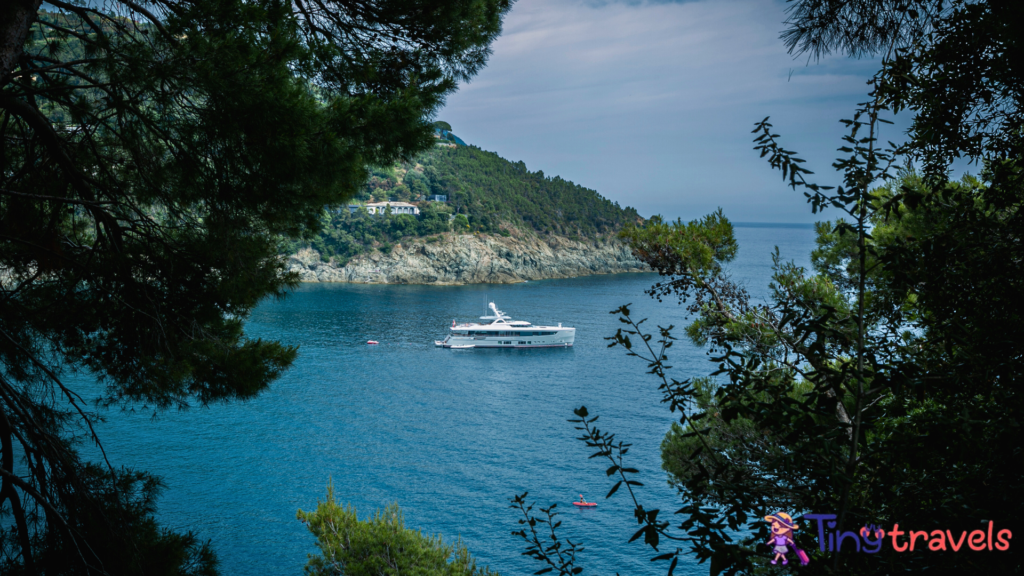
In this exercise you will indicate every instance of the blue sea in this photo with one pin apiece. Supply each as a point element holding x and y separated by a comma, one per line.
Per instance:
<point>450,436</point>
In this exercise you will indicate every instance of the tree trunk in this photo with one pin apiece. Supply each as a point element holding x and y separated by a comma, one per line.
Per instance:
<point>16,18</point>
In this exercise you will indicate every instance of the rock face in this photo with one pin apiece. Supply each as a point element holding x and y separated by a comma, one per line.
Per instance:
<point>468,259</point>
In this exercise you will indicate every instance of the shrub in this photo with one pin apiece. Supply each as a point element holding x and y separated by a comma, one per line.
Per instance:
<point>379,546</point>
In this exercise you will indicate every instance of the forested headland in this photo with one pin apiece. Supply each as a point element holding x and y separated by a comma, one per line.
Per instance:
<point>485,194</point>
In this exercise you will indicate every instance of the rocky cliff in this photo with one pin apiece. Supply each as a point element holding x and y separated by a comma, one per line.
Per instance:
<point>469,259</point>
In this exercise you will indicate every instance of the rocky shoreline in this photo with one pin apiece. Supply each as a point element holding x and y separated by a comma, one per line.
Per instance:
<point>473,259</point>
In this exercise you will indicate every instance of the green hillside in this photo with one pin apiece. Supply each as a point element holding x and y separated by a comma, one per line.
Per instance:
<point>486,194</point>
<point>489,190</point>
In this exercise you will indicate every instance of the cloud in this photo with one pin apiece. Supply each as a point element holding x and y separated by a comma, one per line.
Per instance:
<point>652,103</point>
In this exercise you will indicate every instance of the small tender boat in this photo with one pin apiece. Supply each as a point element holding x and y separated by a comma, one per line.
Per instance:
<point>372,342</point>
<point>586,504</point>
<point>462,346</point>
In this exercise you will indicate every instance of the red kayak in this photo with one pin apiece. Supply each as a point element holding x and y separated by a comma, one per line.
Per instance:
<point>372,342</point>
<point>586,504</point>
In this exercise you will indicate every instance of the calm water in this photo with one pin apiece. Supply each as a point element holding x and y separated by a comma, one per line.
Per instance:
<point>448,435</point>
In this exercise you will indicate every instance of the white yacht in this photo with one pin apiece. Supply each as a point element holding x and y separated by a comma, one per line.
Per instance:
<point>500,331</point>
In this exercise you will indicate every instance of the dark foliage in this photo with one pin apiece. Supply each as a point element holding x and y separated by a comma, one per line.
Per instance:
<point>963,82</point>
<point>151,159</point>
<point>884,386</point>
<point>858,27</point>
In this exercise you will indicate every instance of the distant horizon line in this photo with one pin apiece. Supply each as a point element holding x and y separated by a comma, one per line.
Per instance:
<point>773,225</point>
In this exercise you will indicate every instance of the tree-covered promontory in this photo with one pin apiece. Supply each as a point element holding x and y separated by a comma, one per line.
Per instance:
<point>484,193</point>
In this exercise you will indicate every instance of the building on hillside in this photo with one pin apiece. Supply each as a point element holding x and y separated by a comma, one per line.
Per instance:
<point>396,208</point>
<point>438,197</point>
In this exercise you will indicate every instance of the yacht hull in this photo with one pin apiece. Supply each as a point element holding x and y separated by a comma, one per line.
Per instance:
<point>478,345</point>
<point>560,338</point>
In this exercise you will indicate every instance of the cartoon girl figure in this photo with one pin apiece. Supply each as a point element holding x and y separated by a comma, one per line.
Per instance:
<point>782,535</point>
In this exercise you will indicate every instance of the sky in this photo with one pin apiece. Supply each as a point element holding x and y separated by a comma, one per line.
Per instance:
<point>652,103</point>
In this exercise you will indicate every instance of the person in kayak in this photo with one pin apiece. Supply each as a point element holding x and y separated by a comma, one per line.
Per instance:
<point>582,501</point>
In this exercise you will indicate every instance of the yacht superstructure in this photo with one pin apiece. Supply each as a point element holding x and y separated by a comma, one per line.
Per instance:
<point>502,332</point>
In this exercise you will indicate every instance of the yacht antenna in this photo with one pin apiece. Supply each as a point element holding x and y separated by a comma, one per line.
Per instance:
<point>498,315</point>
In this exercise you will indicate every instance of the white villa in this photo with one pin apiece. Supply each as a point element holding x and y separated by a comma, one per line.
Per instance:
<point>382,207</point>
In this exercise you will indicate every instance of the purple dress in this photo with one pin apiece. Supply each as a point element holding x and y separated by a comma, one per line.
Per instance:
<point>780,545</point>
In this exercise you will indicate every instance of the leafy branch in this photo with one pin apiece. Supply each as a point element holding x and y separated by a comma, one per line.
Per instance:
<point>678,394</point>
<point>651,528</point>
<point>554,555</point>
<point>706,531</point>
